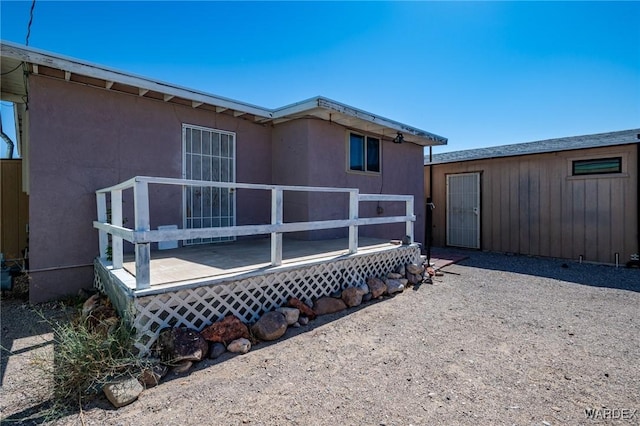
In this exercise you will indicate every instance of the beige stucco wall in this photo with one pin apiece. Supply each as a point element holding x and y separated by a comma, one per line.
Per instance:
<point>319,150</point>
<point>532,205</point>
<point>84,138</point>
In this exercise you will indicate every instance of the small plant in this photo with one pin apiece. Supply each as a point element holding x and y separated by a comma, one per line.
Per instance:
<point>89,353</point>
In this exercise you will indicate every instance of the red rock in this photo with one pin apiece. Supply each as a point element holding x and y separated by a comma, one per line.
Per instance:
<point>328,305</point>
<point>227,330</point>
<point>302,307</point>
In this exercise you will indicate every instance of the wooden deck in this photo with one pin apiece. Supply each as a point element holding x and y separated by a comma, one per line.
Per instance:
<point>202,261</point>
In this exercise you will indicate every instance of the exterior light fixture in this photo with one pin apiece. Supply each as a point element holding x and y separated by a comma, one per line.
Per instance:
<point>399,138</point>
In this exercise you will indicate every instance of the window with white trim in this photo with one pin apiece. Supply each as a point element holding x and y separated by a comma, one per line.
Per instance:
<point>364,153</point>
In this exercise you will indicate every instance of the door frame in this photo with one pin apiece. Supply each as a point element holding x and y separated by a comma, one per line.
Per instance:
<point>478,238</point>
<point>232,193</point>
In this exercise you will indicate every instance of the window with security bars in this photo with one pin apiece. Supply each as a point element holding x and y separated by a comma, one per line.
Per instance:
<point>209,155</point>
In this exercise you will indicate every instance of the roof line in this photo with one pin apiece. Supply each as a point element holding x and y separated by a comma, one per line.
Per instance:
<point>73,65</point>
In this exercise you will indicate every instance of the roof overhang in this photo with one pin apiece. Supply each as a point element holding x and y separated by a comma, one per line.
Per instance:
<point>18,60</point>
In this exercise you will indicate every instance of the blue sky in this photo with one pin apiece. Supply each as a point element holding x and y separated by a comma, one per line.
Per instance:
<point>480,73</point>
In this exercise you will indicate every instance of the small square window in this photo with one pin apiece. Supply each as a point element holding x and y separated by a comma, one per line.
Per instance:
<point>364,153</point>
<point>597,166</point>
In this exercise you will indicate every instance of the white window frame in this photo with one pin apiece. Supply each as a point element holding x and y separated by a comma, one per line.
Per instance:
<point>364,159</point>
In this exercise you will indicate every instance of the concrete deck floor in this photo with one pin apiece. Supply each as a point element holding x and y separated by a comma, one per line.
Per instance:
<point>210,260</point>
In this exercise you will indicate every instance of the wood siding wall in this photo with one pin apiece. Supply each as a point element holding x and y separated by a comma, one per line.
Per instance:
<point>14,210</point>
<point>532,205</point>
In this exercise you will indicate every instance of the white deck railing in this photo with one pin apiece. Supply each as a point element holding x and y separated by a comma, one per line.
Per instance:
<point>142,236</point>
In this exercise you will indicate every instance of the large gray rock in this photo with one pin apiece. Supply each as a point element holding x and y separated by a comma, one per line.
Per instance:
<point>328,305</point>
<point>376,286</point>
<point>123,392</point>
<point>270,326</point>
<point>290,314</point>
<point>414,279</point>
<point>414,269</point>
<point>216,349</point>
<point>352,296</point>
<point>394,286</point>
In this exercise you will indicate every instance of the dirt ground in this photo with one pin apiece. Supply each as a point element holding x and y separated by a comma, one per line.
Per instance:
<point>500,340</point>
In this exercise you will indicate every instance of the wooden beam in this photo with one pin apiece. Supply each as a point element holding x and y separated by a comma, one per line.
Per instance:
<point>195,104</point>
<point>142,91</point>
<point>34,67</point>
<point>276,219</point>
<point>238,113</point>
<point>167,98</point>
<point>67,75</point>
<point>220,109</point>
<point>108,84</point>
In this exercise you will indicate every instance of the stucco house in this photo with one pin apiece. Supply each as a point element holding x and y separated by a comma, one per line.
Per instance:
<point>571,198</point>
<point>83,126</point>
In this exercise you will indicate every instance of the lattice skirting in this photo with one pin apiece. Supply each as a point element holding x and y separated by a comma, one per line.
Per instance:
<point>246,298</point>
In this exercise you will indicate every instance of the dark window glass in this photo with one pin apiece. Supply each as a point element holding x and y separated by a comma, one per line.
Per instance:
<point>373,155</point>
<point>597,166</point>
<point>356,152</point>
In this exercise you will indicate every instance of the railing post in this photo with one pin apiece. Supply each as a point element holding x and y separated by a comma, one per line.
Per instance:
<point>143,250</point>
<point>116,219</point>
<point>354,203</point>
<point>103,237</point>
<point>409,224</point>
<point>276,219</point>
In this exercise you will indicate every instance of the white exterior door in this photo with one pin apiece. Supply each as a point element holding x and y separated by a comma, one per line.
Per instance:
<point>463,210</point>
<point>209,155</point>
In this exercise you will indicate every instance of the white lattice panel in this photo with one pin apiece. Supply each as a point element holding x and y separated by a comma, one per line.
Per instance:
<point>251,297</point>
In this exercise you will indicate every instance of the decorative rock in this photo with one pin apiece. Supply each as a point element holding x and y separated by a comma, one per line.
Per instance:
<point>241,345</point>
<point>394,275</point>
<point>377,287</point>
<point>182,367</point>
<point>364,288</point>
<point>414,269</point>
<point>290,314</point>
<point>228,329</point>
<point>406,240</point>
<point>404,282</point>
<point>302,307</point>
<point>402,270</point>
<point>270,326</point>
<point>151,376</point>
<point>216,349</point>
<point>328,305</point>
<point>352,296</point>
<point>122,392</point>
<point>366,297</point>
<point>303,320</point>
<point>295,325</point>
<point>336,294</point>
<point>181,344</point>
<point>394,286</point>
<point>414,279</point>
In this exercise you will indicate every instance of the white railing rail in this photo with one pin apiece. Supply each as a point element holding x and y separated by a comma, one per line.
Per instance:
<point>142,236</point>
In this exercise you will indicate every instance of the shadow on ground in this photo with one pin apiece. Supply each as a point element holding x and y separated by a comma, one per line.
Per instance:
<point>590,274</point>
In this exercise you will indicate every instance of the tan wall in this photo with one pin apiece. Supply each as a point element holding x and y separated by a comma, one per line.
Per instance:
<point>14,210</point>
<point>532,205</point>
<point>84,138</point>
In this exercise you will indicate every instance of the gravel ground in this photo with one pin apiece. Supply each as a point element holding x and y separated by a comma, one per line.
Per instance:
<point>497,340</point>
